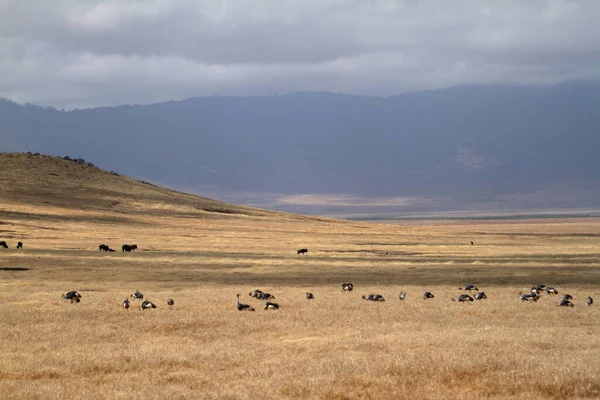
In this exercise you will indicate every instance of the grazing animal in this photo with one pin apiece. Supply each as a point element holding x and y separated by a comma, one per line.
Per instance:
<point>3,244</point>
<point>374,297</point>
<point>111,250</point>
<point>133,247</point>
<point>126,304</point>
<point>402,296</point>
<point>170,303</point>
<point>137,295</point>
<point>566,303</point>
<point>302,251</point>
<point>567,297</point>
<point>480,296</point>
<point>20,245</point>
<point>243,307</point>
<point>310,296</point>
<point>540,287</point>
<point>103,247</point>
<point>146,305</point>
<point>266,296</point>
<point>469,288</point>
<point>271,306</point>
<point>428,295</point>
<point>589,300</point>
<point>472,242</point>
<point>347,287</point>
<point>463,298</point>
<point>527,296</point>
<point>534,291</point>
<point>256,294</point>
<point>551,290</point>
<point>127,248</point>
<point>73,296</point>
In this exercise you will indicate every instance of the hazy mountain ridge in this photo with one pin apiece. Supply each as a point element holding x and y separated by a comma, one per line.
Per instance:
<point>463,141</point>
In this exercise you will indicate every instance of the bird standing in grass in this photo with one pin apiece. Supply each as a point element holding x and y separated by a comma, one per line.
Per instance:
<point>402,296</point>
<point>374,297</point>
<point>271,306</point>
<point>428,295</point>
<point>480,296</point>
<point>126,304</point>
<point>589,300</point>
<point>469,288</point>
<point>73,296</point>
<point>170,303</point>
<point>566,303</point>
<point>243,307</point>
<point>310,296</point>
<point>138,295</point>
<point>551,290</point>
<point>463,298</point>
<point>147,305</point>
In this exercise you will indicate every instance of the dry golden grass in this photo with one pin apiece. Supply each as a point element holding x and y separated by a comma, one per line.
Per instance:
<point>337,346</point>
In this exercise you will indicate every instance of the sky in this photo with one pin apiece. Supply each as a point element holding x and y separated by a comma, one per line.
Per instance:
<point>87,53</point>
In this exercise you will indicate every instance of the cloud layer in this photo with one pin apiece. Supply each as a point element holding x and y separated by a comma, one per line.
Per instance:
<point>82,53</point>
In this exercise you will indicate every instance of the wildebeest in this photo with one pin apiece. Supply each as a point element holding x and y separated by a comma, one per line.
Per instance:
<point>129,247</point>
<point>3,244</point>
<point>302,251</point>
<point>103,247</point>
<point>20,245</point>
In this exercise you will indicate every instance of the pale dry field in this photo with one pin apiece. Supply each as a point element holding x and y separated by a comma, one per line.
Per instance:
<point>335,347</point>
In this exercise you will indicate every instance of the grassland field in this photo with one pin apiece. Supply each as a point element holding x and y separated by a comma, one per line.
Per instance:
<point>336,346</point>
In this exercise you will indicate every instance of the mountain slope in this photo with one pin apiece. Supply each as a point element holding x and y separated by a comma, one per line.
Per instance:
<point>473,140</point>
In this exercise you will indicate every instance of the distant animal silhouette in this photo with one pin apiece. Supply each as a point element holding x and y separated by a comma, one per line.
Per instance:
<point>468,287</point>
<point>126,304</point>
<point>402,296</point>
<point>566,303</point>
<point>103,247</point>
<point>3,244</point>
<point>128,248</point>
<point>170,303</point>
<point>302,251</point>
<point>138,295</point>
<point>266,296</point>
<point>73,296</point>
<point>551,290</point>
<point>589,300</point>
<point>257,294</point>
<point>243,307</point>
<point>310,296</point>
<point>271,306</point>
<point>540,287</point>
<point>20,245</point>
<point>567,297</point>
<point>374,297</point>
<point>527,296</point>
<point>428,295</point>
<point>111,250</point>
<point>480,296</point>
<point>472,242</point>
<point>147,305</point>
<point>347,287</point>
<point>463,298</point>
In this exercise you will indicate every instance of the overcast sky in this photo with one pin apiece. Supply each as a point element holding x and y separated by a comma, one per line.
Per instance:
<point>82,53</point>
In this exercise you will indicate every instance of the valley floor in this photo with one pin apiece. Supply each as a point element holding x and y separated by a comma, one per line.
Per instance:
<point>335,346</point>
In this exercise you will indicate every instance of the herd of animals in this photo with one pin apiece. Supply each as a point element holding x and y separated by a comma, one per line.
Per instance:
<point>532,296</point>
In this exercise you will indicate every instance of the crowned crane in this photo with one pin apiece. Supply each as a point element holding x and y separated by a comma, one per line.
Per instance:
<point>589,300</point>
<point>551,290</point>
<point>170,303</point>
<point>402,296</point>
<point>137,295</point>
<point>256,294</point>
<point>271,306</point>
<point>428,295</point>
<point>73,296</point>
<point>534,291</point>
<point>463,298</point>
<point>567,296</point>
<point>347,287</point>
<point>566,303</point>
<point>480,296</point>
<point>126,304</point>
<point>540,287</point>
<point>527,296</point>
<point>147,305</point>
<point>469,288</point>
<point>374,297</point>
<point>310,296</point>
<point>243,307</point>
<point>266,296</point>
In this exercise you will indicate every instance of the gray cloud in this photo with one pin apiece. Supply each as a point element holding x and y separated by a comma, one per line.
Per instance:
<point>80,53</point>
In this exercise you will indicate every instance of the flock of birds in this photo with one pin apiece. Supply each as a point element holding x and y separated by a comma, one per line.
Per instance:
<point>532,296</point>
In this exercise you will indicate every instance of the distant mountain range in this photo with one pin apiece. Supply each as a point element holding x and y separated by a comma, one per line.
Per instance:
<point>461,141</point>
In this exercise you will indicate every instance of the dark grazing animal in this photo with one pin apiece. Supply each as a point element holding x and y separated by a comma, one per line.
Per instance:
<point>20,245</point>
<point>266,296</point>
<point>147,305</point>
<point>243,307</point>
<point>137,295</point>
<point>566,303</point>
<point>551,290</point>
<point>73,296</point>
<point>103,247</point>
<point>428,295</point>
<point>127,248</point>
<point>302,251</point>
<point>347,287</point>
<point>480,296</point>
<point>310,296</point>
<point>374,297</point>
<point>463,298</point>
<point>126,304</point>
<point>3,244</point>
<point>256,294</point>
<point>589,300</point>
<point>468,287</point>
<point>170,303</point>
<point>271,306</point>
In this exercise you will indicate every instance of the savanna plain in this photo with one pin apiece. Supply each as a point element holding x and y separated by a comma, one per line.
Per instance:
<point>202,253</point>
